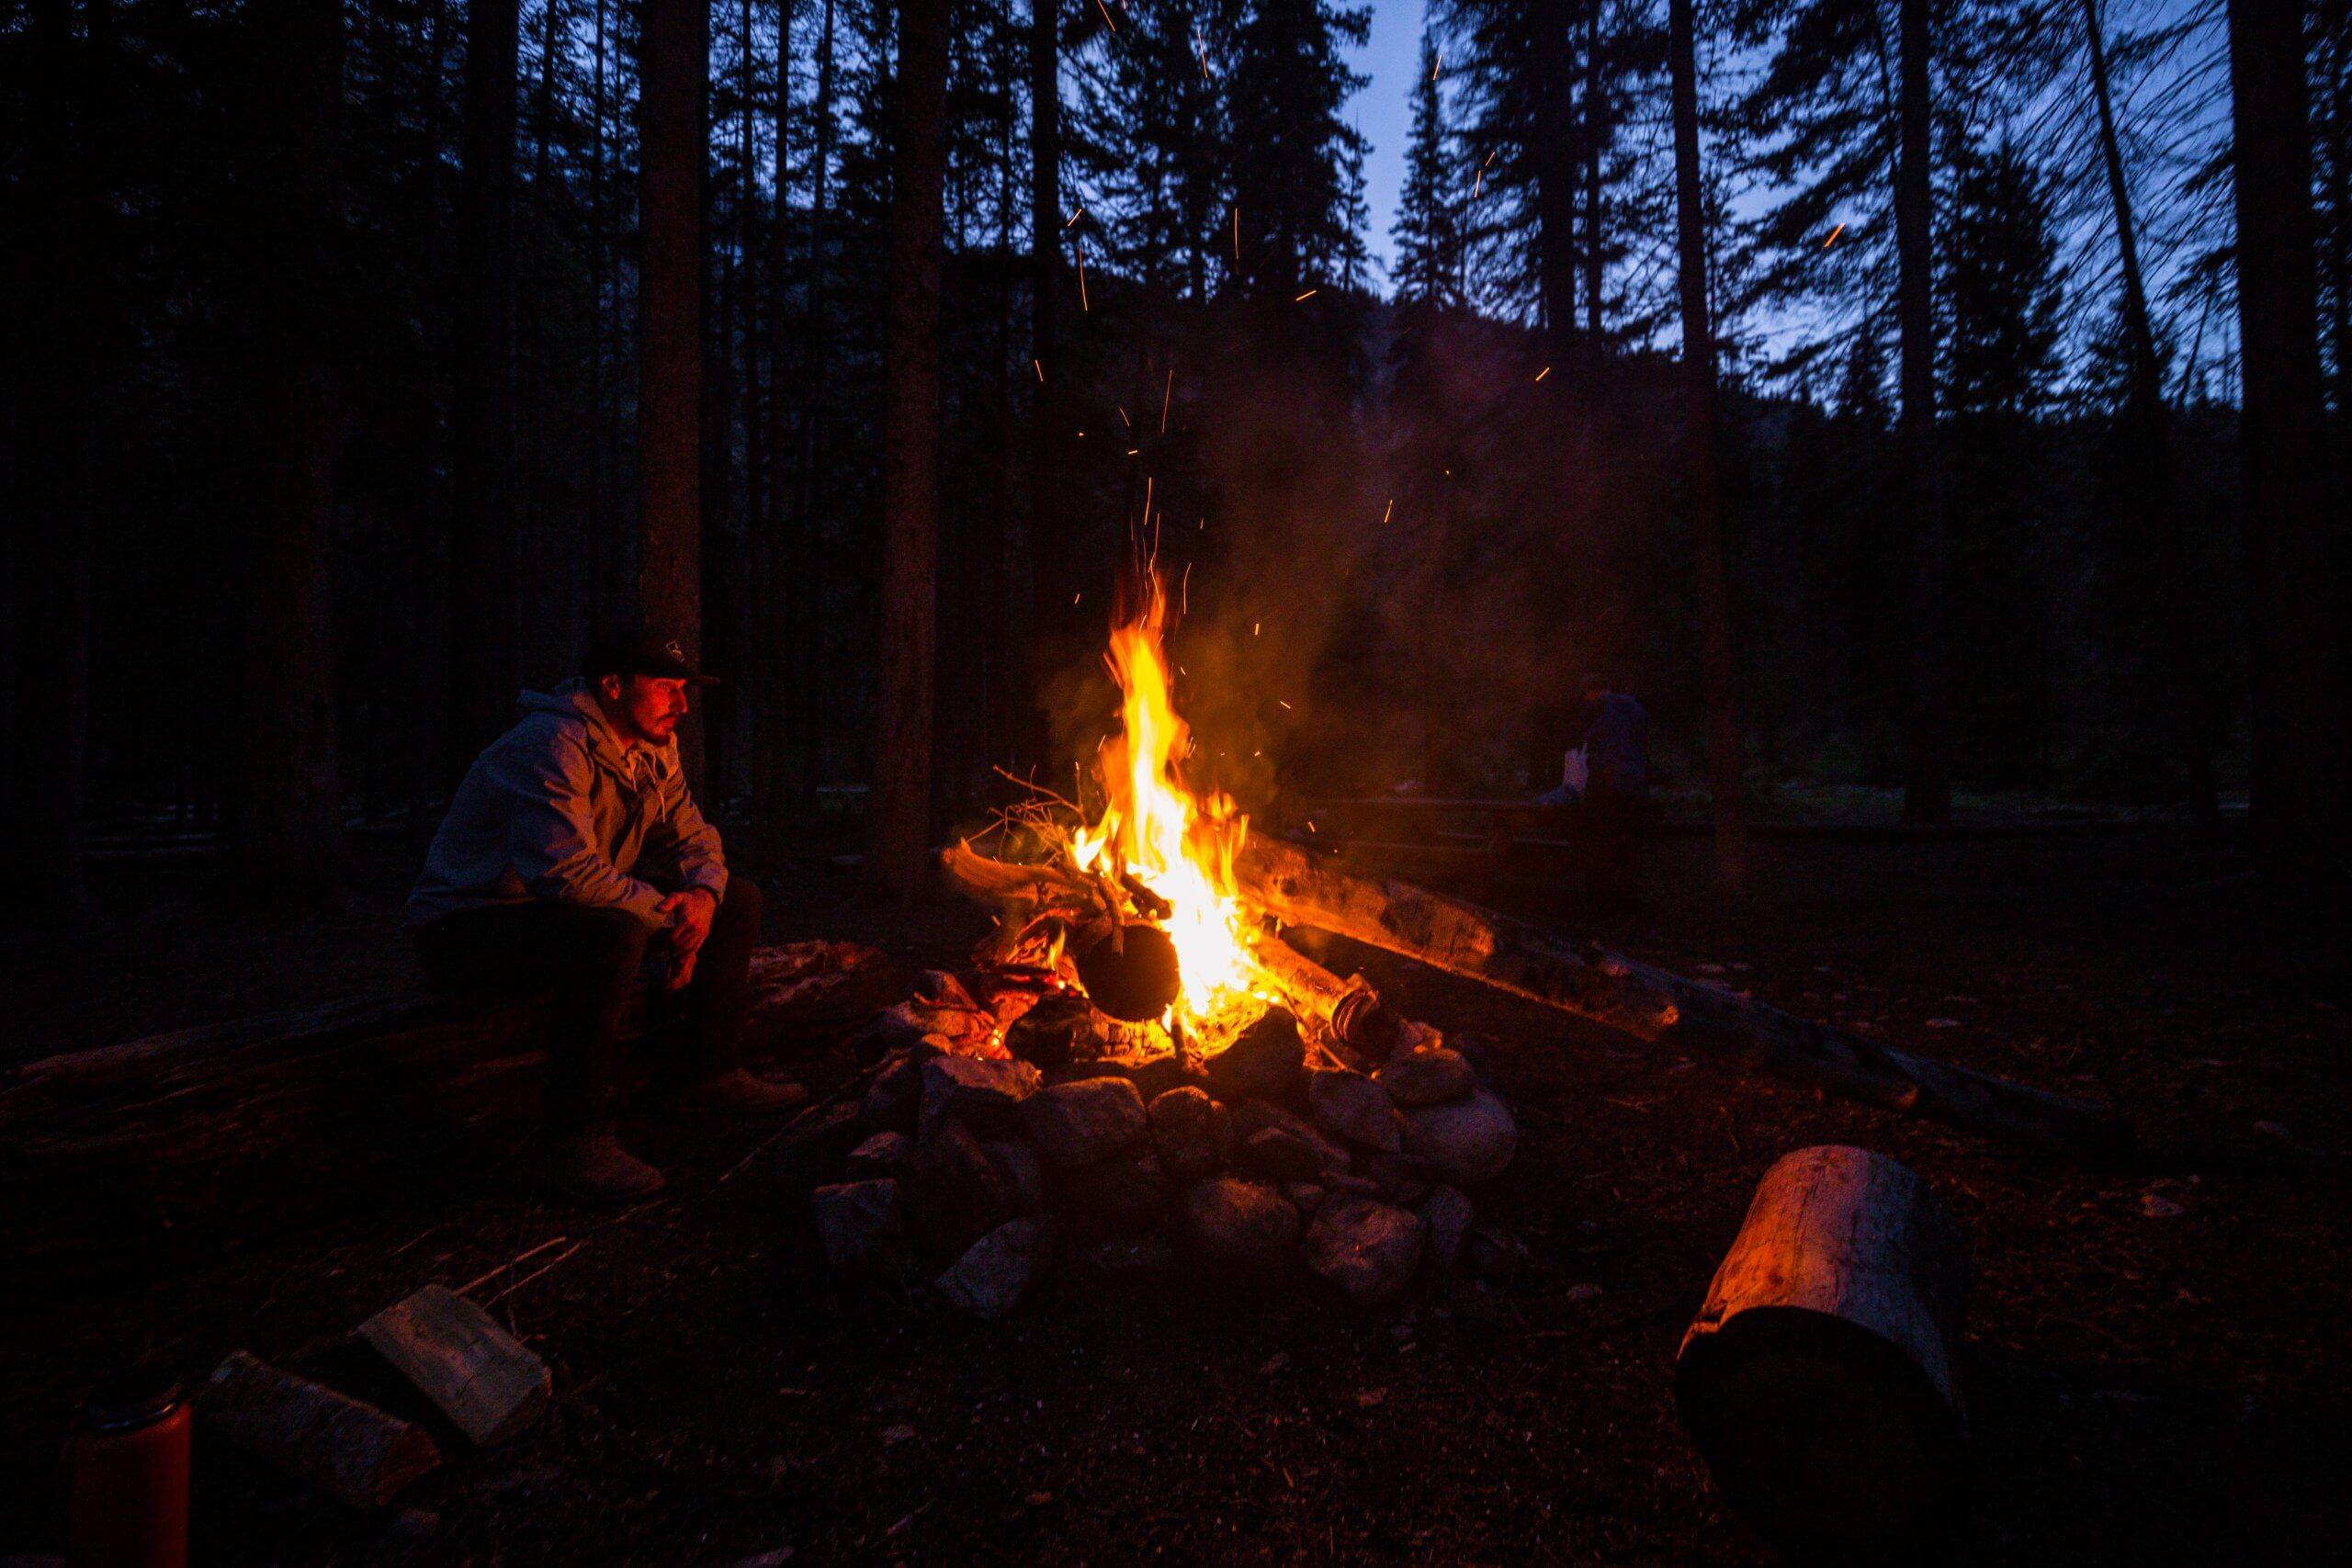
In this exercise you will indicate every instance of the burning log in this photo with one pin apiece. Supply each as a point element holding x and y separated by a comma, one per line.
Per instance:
<point>1653,1004</point>
<point>1350,1010</point>
<point>1818,1380</point>
<point>278,1115</point>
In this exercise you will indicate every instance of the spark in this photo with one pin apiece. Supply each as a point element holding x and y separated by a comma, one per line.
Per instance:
<point>1237,233</point>
<point>1308,294</point>
<point>1311,826</point>
<point>1435,61</point>
<point>1200,54</point>
<point>1122,415</point>
<point>1833,236</point>
<point>1106,14</point>
<point>1477,185</point>
<point>1167,392</point>
<point>1074,218</point>
<point>1075,597</point>
<point>1132,450</point>
<point>1546,372</point>
<point>1391,512</point>
<point>1253,629</point>
<point>1490,157</point>
<point>1082,305</point>
<point>1279,703</point>
<point>1040,369</point>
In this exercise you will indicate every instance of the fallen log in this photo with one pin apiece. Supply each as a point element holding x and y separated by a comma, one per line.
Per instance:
<point>1818,1380</point>
<point>351,1451</point>
<point>1656,1005</point>
<point>279,1116</point>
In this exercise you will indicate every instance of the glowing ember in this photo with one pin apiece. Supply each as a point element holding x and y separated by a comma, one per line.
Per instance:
<point>1179,844</point>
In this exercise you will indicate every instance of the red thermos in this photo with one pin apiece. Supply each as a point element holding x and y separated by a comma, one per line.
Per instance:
<point>129,1475</point>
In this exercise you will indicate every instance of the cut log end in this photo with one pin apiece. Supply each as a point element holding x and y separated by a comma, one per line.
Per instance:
<point>1817,1381</point>
<point>1823,1434</point>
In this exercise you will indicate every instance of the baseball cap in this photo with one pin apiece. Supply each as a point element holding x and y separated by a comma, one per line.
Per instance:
<point>642,650</point>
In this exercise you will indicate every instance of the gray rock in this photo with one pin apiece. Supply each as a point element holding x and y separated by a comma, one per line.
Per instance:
<point>1427,1074</point>
<point>957,1194</point>
<point>1368,1249</point>
<point>862,1224</point>
<point>1448,1213</point>
<point>1129,1189</point>
<point>1305,1196</point>
<point>895,1091</point>
<point>983,1091</point>
<point>1078,1123</point>
<point>1023,1172</point>
<point>1355,1107</point>
<point>1193,1133</point>
<point>884,1154</point>
<point>1394,1178</point>
<point>1466,1142</point>
<point>1239,1225</point>
<point>998,1271</point>
<point>1265,1062</point>
<point>1254,1115</point>
<point>1277,1153</point>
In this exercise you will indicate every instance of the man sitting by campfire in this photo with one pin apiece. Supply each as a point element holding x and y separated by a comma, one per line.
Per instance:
<point>574,853</point>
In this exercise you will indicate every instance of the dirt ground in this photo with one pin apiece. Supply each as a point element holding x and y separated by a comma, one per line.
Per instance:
<point>2157,1359</point>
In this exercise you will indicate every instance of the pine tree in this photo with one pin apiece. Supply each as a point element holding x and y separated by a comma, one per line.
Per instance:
<point>1297,167</point>
<point>1428,233</point>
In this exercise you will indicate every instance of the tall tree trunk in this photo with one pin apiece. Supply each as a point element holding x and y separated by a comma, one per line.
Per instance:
<point>56,314</point>
<point>1701,490</point>
<point>2147,464</point>
<point>1049,552</point>
<point>673,110</point>
<point>1926,788</point>
<point>778,565</point>
<point>809,714</point>
<point>1596,135</point>
<point>290,834</point>
<point>612,541</point>
<point>484,673</point>
<point>2301,771</point>
<point>909,453</point>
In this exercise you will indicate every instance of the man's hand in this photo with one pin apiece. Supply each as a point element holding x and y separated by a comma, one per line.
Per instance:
<point>688,915</point>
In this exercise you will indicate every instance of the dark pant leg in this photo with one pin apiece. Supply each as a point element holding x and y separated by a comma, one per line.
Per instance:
<point>717,999</point>
<point>587,959</point>
<point>1615,847</point>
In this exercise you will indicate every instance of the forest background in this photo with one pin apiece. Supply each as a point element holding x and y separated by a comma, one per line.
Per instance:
<point>348,390</point>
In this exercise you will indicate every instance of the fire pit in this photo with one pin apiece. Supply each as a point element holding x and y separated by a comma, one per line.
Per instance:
<point>1135,1068</point>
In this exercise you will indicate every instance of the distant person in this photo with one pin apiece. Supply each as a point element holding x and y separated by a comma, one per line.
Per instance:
<point>1612,731</point>
<point>574,853</point>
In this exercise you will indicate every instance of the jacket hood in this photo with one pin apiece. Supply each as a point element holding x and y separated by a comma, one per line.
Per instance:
<point>572,699</point>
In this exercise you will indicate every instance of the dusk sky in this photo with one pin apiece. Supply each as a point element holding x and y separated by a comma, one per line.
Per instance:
<point>1384,111</point>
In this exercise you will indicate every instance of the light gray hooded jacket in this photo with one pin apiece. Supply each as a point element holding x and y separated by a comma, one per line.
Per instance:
<point>559,808</point>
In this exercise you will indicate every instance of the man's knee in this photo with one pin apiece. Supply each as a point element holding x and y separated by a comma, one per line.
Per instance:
<point>614,938</point>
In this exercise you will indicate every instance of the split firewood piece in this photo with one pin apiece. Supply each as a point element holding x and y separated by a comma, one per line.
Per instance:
<point>1818,1380</point>
<point>481,1377</point>
<point>351,1451</point>
<point>1349,1008</point>
<point>1653,1004</point>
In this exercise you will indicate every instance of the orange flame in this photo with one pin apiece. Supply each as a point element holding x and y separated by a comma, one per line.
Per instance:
<point>1178,843</point>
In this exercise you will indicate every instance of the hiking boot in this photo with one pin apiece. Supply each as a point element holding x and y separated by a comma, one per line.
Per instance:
<point>740,1093</point>
<point>594,1168</point>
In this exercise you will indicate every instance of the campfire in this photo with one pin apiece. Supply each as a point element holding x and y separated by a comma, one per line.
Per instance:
<point>1134,1062</point>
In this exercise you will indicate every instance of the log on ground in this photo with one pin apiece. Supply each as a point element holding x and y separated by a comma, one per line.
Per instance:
<point>481,1377</point>
<point>1818,1380</point>
<point>277,1117</point>
<point>1656,1005</point>
<point>349,1450</point>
